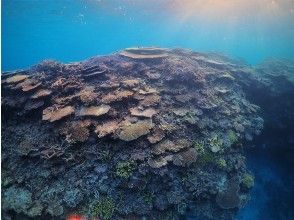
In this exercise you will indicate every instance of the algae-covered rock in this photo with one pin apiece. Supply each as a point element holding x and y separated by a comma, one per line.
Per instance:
<point>229,198</point>
<point>17,199</point>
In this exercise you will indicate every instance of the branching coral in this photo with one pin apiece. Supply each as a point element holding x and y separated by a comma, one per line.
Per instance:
<point>76,131</point>
<point>247,180</point>
<point>124,169</point>
<point>232,136</point>
<point>205,156</point>
<point>104,208</point>
<point>215,144</point>
<point>221,163</point>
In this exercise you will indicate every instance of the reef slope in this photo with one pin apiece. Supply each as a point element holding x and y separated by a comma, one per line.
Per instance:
<point>143,132</point>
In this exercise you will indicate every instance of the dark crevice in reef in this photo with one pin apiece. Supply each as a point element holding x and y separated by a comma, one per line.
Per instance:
<point>144,132</point>
<point>273,149</point>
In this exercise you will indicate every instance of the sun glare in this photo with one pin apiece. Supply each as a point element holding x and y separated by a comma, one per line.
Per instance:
<point>219,10</point>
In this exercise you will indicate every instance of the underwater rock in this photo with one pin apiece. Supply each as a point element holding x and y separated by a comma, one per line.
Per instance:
<point>17,199</point>
<point>144,131</point>
<point>30,105</point>
<point>229,199</point>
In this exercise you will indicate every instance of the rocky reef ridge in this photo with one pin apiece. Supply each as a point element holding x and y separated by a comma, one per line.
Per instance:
<point>144,132</point>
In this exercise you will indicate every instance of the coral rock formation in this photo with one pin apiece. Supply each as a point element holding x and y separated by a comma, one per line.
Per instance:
<point>143,132</point>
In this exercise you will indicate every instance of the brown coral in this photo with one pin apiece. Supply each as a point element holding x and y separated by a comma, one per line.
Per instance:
<point>117,96</point>
<point>156,136</point>
<point>130,83</point>
<point>153,75</point>
<point>41,94</point>
<point>147,113</point>
<point>168,145</point>
<point>93,110</point>
<point>50,114</point>
<point>159,162</point>
<point>87,95</point>
<point>30,87</point>
<point>148,90</point>
<point>185,158</point>
<point>106,128</point>
<point>16,79</point>
<point>150,100</point>
<point>144,53</point>
<point>129,131</point>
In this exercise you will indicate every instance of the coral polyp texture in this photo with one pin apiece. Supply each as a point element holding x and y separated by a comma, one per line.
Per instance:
<point>143,132</point>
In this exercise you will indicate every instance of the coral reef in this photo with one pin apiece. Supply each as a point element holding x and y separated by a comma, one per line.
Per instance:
<point>143,132</point>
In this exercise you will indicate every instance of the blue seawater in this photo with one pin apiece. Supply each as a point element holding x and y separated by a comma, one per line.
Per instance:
<point>73,30</point>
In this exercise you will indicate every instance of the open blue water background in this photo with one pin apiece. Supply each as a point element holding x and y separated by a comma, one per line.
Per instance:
<point>73,30</point>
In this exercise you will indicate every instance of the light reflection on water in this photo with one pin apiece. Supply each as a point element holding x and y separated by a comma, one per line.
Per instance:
<point>74,30</point>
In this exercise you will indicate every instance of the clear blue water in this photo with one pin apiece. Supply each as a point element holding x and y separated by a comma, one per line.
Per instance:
<point>72,30</point>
